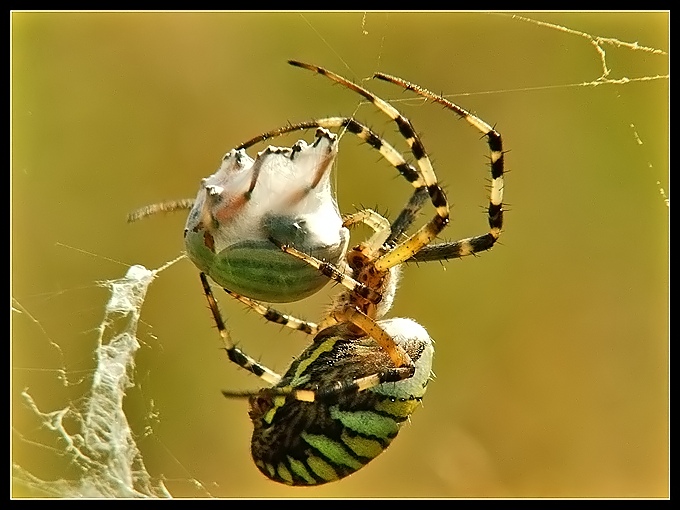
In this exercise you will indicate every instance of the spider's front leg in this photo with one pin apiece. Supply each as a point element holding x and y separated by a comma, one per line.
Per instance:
<point>476,244</point>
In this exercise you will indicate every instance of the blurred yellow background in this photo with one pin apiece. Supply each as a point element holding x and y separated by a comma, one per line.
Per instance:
<point>552,349</point>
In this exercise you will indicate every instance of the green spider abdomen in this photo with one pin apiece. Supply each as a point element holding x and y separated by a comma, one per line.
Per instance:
<point>260,270</point>
<point>309,443</point>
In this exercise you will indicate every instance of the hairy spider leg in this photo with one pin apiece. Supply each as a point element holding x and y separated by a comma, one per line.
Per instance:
<point>471,245</point>
<point>234,353</point>
<point>169,206</point>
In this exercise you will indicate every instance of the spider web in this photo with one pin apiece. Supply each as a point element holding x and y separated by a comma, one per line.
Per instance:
<point>94,432</point>
<point>103,447</point>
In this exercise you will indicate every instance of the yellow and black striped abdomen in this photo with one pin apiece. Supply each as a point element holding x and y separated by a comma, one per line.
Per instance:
<point>308,443</point>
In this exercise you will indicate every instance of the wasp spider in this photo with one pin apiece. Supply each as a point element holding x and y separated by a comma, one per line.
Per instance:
<point>342,401</point>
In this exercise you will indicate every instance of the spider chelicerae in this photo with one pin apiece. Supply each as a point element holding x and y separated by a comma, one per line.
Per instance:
<point>342,400</point>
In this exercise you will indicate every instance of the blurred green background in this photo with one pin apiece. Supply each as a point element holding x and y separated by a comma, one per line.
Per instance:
<point>552,349</point>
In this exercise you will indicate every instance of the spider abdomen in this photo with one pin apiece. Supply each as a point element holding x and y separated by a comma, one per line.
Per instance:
<point>309,443</point>
<point>260,270</point>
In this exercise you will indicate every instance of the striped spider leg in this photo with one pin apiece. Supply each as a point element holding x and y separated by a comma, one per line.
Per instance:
<point>471,245</point>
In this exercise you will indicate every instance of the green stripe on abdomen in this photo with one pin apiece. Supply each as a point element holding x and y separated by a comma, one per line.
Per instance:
<point>266,274</point>
<point>298,467</point>
<point>366,423</point>
<point>322,469</point>
<point>332,450</point>
<point>362,446</point>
